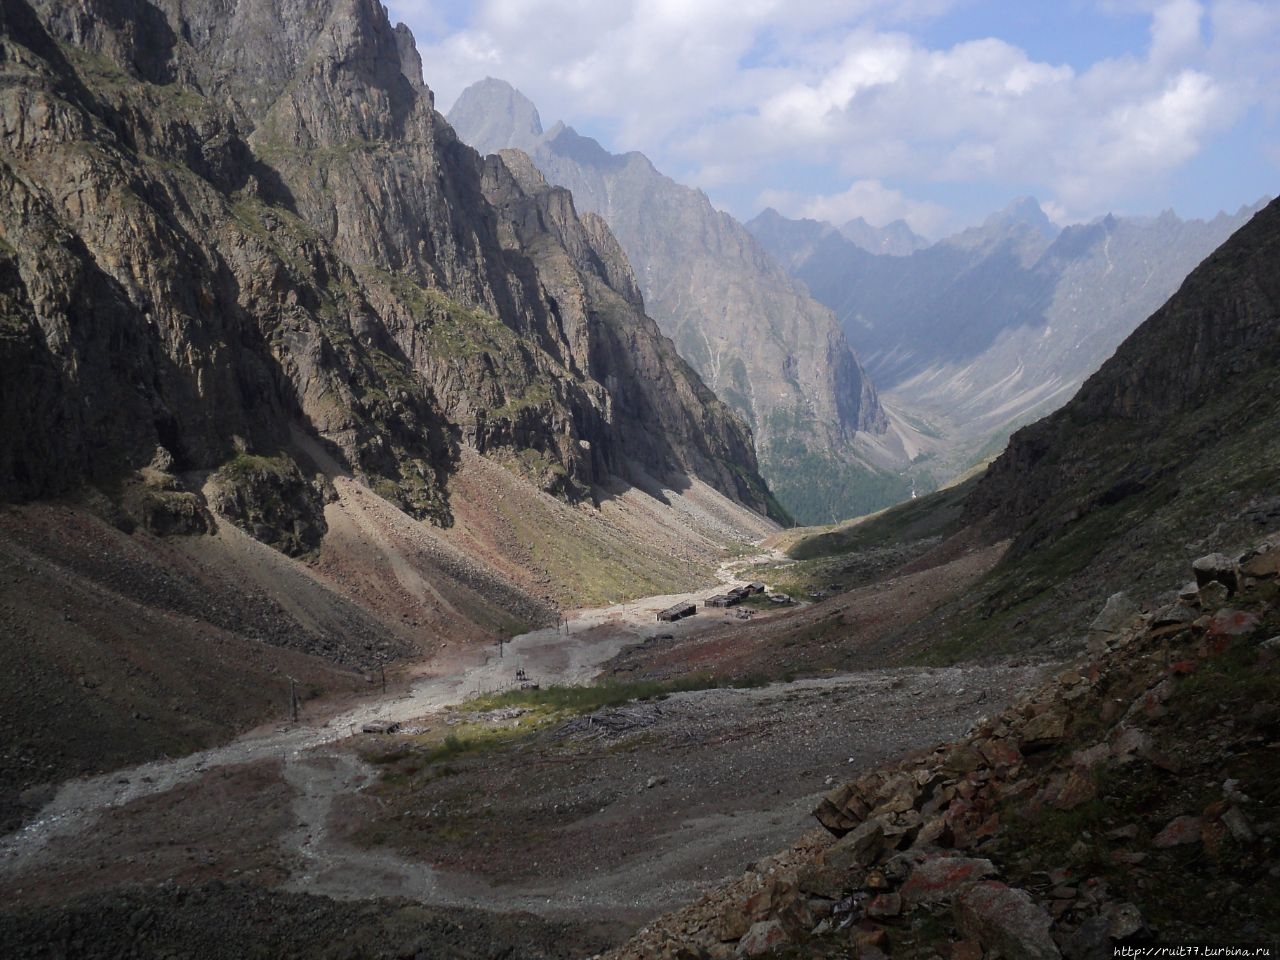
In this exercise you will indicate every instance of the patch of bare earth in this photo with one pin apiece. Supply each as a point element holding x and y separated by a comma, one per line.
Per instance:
<point>846,631</point>
<point>224,825</point>
<point>632,810</point>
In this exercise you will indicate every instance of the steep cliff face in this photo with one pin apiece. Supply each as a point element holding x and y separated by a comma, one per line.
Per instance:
<point>225,221</point>
<point>758,340</point>
<point>1197,373</point>
<point>1167,452</point>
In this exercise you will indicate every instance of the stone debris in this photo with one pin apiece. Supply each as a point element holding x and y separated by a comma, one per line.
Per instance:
<point>926,845</point>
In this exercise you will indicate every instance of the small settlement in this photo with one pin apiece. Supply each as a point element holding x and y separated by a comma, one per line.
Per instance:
<point>736,595</point>
<point>678,612</point>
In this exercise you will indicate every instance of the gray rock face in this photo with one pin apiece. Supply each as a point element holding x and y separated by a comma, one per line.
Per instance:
<point>894,239</point>
<point>756,338</point>
<point>223,222</point>
<point>1186,395</point>
<point>999,324</point>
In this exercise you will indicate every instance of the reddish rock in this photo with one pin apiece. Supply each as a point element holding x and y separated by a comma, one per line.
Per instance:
<point>1265,563</point>
<point>938,879</point>
<point>884,906</point>
<point>1178,831</point>
<point>966,950</point>
<point>999,753</point>
<point>1005,919</point>
<point>1079,788</point>
<point>763,937</point>
<point>1233,623</point>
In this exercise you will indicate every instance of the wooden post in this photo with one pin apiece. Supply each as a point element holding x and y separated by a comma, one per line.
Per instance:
<point>293,699</point>
<point>383,668</point>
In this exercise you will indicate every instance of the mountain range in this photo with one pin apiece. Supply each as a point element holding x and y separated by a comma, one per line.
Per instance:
<point>826,445</point>
<point>347,489</point>
<point>999,324</point>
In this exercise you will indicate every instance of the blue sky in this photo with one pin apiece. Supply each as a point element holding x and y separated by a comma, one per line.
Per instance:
<point>938,111</point>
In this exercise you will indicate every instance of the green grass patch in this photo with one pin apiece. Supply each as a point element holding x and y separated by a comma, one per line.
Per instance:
<point>576,700</point>
<point>936,514</point>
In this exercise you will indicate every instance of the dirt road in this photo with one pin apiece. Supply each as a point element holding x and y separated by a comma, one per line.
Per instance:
<point>564,827</point>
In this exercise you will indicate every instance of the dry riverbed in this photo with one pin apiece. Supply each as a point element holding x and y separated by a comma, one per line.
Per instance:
<point>608,818</point>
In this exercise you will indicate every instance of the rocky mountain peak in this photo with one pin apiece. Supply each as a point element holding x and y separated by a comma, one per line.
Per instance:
<point>496,115</point>
<point>757,339</point>
<point>895,239</point>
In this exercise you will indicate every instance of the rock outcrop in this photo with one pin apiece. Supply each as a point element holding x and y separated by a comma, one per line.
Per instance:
<point>223,223</point>
<point>756,338</point>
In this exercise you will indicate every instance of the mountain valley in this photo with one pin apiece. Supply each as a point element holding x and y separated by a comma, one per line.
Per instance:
<point>827,447</point>
<point>355,486</point>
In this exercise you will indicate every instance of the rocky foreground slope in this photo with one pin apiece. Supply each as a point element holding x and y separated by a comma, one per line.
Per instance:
<point>1130,800</point>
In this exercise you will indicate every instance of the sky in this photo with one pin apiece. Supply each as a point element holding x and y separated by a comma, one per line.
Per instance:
<point>935,111</point>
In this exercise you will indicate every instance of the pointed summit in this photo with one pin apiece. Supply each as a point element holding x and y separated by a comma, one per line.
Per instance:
<point>1026,211</point>
<point>895,239</point>
<point>496,115</point>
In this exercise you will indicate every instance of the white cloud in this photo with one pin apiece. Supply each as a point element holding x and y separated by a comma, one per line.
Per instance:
<point>731,94</point>
<point>869,199</point>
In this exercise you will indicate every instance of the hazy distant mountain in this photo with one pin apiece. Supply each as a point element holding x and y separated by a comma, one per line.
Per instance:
<point>767,348</point>
<point>1000,323</point>
<point>895,239</point>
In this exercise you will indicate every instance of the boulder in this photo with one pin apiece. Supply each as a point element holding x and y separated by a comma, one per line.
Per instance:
<point>859,848</point>
<point>940,879</point>
<point>1043,731</point>
<point>763,937</point>
<point>1213,595</point>
<point>1178,831</point>
<point>1005,919</point>
<point>1219,568</point>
